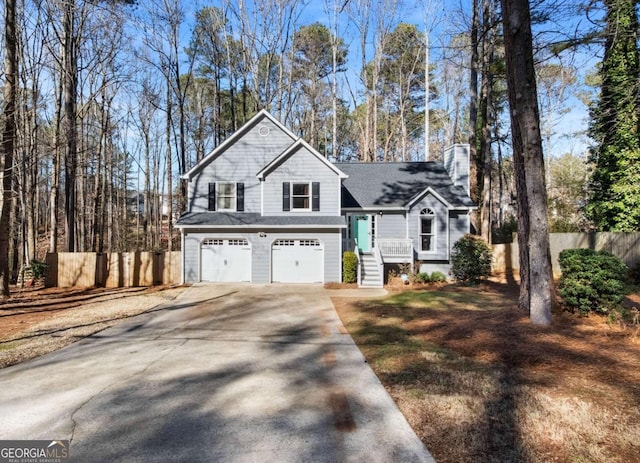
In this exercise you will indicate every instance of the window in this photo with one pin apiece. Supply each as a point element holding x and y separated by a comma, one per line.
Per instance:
<point>374,232</point>
<point>300,196</point>
<point>284,243</point>
<point>427,230</point>
<point>226,197</point>
<point>312,243</point>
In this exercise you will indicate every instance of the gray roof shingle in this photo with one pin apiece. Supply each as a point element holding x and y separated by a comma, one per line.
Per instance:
<point>394,184</point>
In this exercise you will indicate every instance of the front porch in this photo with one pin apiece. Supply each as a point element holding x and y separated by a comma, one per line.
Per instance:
<point>381,251</point>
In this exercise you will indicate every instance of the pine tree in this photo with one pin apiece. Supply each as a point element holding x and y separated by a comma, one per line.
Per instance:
<point>536,280</point>
<point>614,202</point>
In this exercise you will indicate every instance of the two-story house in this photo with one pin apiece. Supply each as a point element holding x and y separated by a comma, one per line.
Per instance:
<point>264,207</point>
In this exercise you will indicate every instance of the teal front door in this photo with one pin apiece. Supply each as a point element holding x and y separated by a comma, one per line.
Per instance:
<point>362,232</point>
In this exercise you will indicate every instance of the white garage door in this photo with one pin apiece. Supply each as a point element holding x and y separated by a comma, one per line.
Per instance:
<point>297,261</point>
<point>226,260</point>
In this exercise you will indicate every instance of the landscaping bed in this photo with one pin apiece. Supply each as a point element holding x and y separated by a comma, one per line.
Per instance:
<point>478,382</point>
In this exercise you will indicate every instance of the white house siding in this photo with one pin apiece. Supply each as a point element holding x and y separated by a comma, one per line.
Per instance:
<point>442,232</point>
<point>429,267</point>
<point>459,223</point>
<point>456,162</point>
<point>302,166</point>
<point>240,163</point>
<point>391,225</point>
<point>261,250</point>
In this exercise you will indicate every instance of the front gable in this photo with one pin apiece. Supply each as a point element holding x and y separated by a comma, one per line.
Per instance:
<point>237,160</point>
<point>427,192</point>
<point>261,131</point>
<point>301,165</point>
<point>429,207</point>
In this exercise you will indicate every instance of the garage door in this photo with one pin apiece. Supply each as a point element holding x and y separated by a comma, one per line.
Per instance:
<point>297,261</point>
<point>226,260</point>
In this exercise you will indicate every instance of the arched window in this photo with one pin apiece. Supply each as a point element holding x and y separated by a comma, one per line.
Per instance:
<point>427,230</point>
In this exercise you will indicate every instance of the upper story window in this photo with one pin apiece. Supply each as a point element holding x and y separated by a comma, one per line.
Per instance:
<point>427,230</point>
<point>226,196</point>
<point>299,196</point>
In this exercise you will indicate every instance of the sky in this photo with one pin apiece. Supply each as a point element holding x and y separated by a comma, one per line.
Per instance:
<point>443,18</point>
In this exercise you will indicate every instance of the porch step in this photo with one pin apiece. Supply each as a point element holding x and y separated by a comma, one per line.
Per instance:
<point>369,272</point>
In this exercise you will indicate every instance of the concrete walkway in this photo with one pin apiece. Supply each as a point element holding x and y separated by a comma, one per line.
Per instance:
<point>226,373</point>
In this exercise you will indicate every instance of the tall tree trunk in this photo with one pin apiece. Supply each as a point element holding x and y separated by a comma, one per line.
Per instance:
<point>487,120</point>
<point>536,281</point>
<point>32,177</point>
<point>8,138</point>
<point>500,180</point>
<point>473,116</point>
<point>169,170</point>
<point>70,75</point>
<point>54,195</point>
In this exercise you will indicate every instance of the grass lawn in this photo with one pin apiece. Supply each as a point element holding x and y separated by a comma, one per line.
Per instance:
<point>479,383</point>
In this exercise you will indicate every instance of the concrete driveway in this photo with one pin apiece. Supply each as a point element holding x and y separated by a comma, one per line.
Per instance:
<point>226,373</point>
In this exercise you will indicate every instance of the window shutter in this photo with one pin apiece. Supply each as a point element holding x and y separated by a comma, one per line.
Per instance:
<point>240,197</point>
<point>212,196</point>
<point>315,196</point>
<point>286,196</point>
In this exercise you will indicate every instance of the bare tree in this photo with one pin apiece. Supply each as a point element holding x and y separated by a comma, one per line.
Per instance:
<point>8,137</point>
<point>375,20</point>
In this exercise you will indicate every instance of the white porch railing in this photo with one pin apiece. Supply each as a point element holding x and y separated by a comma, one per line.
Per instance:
<point>356,251</point>
<point>379,262</point>
<point>392,247</point>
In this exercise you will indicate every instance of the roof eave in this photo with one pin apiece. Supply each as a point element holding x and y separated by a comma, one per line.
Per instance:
<point>262,226</point>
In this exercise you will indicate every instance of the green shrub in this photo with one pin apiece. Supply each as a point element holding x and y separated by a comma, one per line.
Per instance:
<point>438,277</point>
<point>470,259</point>
<point>591,281</point>
<point>349,267</point>
<point>38,269</point>
<point>423,277</point>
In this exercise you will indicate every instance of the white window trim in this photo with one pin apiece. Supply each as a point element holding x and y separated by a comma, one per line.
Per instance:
<point>234,201</point>
<point>428,213</point>
<point>291,196</point>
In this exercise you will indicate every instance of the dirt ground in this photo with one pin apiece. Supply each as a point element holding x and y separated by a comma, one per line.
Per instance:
<point>34,321</point>
<point>486,385</point>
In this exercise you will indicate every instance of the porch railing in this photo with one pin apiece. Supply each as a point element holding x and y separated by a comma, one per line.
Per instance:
<point>356,251</point>
<point>393,247</point>
<point>377,255</point>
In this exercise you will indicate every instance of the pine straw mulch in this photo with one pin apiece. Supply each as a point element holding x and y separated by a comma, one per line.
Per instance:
<point>478,382</point>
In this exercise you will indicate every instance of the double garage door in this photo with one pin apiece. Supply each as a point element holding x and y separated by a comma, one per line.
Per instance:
<point>292,260</point>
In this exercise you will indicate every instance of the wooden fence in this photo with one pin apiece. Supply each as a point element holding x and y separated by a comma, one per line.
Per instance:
<point>624,245</point>
<point>117,269</point>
